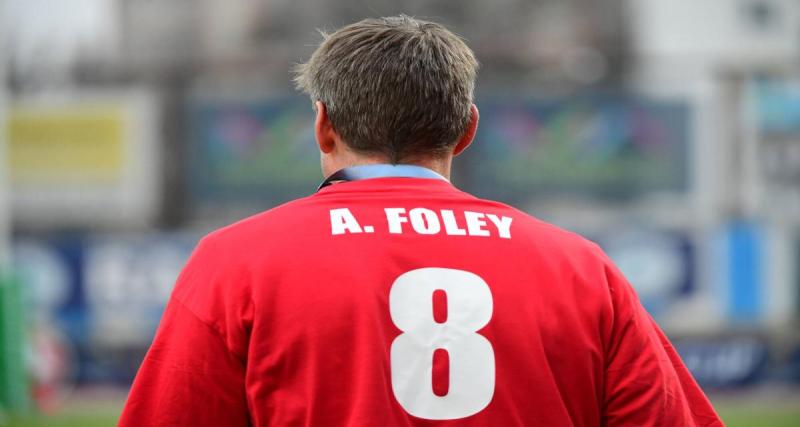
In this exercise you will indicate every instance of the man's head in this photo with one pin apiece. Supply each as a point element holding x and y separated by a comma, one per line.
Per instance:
<point>396,90</point>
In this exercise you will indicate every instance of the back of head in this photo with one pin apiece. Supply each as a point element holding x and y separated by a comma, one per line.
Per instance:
<point>396,87</point>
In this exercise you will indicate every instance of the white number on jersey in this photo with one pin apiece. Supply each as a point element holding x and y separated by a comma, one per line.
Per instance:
<point>472,367</point>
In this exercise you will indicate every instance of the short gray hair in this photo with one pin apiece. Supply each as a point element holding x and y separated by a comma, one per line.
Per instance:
<point>395,86</point>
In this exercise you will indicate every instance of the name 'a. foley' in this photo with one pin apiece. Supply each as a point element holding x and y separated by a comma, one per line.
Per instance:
<point>426,221</point>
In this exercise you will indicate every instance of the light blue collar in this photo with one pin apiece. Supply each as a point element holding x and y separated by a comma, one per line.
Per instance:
<point>357,173</point>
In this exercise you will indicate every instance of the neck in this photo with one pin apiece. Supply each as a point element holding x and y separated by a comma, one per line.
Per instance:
<point>440,165</point>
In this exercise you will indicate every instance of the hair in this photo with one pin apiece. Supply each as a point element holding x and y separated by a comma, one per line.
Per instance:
<point>396,86</point>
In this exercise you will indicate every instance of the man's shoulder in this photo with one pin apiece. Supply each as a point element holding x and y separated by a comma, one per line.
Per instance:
<point>264,226</point>
<point>220,264</point>
<point>534,230</point>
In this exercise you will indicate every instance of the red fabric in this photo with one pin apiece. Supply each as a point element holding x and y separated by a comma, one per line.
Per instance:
<point>276,322</point>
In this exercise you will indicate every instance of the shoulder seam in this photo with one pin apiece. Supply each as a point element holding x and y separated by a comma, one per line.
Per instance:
<point>216,332</point>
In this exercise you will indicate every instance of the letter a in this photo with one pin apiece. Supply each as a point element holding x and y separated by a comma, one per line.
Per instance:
<point>342,220</point>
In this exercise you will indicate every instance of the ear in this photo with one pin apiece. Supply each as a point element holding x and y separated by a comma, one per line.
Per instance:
<point>469,134</point>
<point>323,129</point>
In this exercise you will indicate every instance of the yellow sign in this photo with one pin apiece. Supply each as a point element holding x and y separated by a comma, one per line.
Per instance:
<point>78,143</point>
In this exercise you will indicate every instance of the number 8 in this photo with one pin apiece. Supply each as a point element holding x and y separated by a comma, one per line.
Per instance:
<point>472,367</point>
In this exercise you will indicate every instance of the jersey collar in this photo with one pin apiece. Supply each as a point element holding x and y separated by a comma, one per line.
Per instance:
<point>356,173</point>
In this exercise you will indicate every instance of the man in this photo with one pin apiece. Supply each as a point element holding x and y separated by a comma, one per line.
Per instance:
<point>389,297</point>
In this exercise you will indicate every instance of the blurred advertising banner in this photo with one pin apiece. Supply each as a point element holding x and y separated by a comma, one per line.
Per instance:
<point>725,362</point>
<point>84,159</point>
<point>95,300</point>
<point>771,120</point>
<point>606,147</point>
<point>261,152</point>
<point>777,105</point>
<point>739,275</point>
<point>251,152</point>
<point>123,276</point>
<point>666,268</point>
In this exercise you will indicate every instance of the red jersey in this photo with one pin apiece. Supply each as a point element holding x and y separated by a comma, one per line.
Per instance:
<point>406,302</point>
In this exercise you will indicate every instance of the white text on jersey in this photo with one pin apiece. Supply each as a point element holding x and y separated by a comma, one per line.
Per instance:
<point>426,221</point>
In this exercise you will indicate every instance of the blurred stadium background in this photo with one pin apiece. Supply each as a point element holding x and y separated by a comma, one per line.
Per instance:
<point>667,131</point>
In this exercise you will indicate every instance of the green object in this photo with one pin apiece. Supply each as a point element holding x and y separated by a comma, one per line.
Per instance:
<point>14,395</point>
<point>760,416</point>
<point>67,420</point>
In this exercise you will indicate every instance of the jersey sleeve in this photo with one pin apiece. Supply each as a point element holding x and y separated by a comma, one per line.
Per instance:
<point>646,382</point>
<point>193,373</point>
